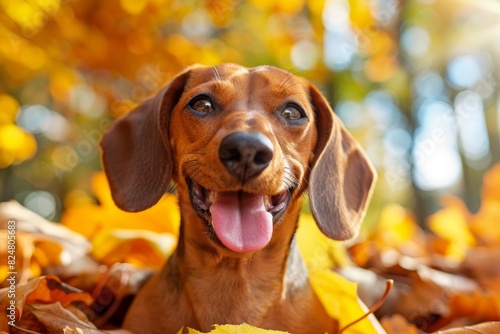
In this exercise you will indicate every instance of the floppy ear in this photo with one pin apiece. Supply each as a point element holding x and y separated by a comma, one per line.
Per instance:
<point>136,152</point>
<point>342,178</point>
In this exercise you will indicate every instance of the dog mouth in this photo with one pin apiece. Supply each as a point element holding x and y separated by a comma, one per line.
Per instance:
<point>240,221</point>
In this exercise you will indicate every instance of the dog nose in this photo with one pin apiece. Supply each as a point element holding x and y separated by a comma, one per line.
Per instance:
<point>246,154</point>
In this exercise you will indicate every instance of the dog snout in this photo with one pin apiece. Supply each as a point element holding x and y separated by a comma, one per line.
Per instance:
<point>246,154</point>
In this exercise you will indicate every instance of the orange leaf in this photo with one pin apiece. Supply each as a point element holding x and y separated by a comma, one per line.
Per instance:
<point>91,219</point>
<point>47,290</point>
<point>451,224</point>
<point>491,185</point>
<point>397,324</point>
<point>482,306</point>
<point>50,289</point>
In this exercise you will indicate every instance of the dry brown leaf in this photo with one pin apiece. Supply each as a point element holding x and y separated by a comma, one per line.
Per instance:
<point>397,324</point>
<point>236,329</point>
<point>42,247</point>
<point>55,317</point>
<point>46,290</point>
<point>484,328</point>
<point>479,260</point>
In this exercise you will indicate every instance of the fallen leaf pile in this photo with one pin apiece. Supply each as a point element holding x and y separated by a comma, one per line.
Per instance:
<point>81,275</point>
<point>447,275</point>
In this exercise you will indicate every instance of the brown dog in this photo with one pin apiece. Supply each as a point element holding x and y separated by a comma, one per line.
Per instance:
<point>242,146</point>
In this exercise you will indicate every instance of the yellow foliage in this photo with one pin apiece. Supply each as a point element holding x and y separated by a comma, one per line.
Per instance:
<point>450,224</point>
<point>322,253</point>
<point>133,7</point>
<point>397,229</point>
<point>145,238</point>
<point>91,219</point>
<point>360,14</point>
<point>340,299</point>
<point>16,145</point>
<point>280,6</point>
<point>9,108</point>
<point>236,329</point>
<point>139,247</point>
<point>33,254</point>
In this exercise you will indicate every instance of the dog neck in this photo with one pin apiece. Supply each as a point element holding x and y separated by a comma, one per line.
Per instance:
<point>255,285</point>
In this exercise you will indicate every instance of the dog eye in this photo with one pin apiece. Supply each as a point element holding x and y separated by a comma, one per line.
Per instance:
<point>292,113</point>
<point>202,105</point>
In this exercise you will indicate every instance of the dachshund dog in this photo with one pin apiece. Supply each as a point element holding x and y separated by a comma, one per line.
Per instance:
<point>242,145</point>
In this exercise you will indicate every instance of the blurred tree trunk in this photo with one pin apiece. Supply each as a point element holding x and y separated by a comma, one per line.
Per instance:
<point>420,207</point>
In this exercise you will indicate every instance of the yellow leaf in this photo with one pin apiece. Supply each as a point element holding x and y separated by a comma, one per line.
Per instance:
<point>322,253</point>
<point>289,6</point>
<point>340,299</point>
<point>395,226</point>
<point>360,14</point>
<point>9,108</point>
<point>16,145</point>
<point>450,223</point>
<point>397,229</point>
<point>133,7</point>
<point>91,219</point>
<point>140,247</point>
<point>236,329</point>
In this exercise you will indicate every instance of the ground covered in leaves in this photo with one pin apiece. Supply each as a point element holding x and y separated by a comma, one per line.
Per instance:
<point>80,276</point>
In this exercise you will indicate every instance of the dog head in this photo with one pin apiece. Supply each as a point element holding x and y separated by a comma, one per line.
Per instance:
<point>242,144</point>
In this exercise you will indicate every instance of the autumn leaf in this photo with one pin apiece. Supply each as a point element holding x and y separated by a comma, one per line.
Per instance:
<point>340,299</point>
<point>395,232</point>
<point>480,305</point>
<point>146,238</point>
<point>484,224</point>
<point>55,317</point>
<point>491,184</point>
<point>41,290</point>
<point>397,324</point>
<point>42,247</point>
<point>16,144</point>
<point>451,224</point>
<point>236,329</point>
<point>92,219</point>
<point>484,328</point>
<point>139,247</point>
<point>49,289</point>
<point>323,253</point>
<point>477,263</point>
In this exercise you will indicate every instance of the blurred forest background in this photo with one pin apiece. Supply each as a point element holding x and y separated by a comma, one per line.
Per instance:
<point>416,82</point>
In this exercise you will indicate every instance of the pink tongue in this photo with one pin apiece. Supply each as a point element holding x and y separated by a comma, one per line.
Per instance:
<point>241,221</point>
